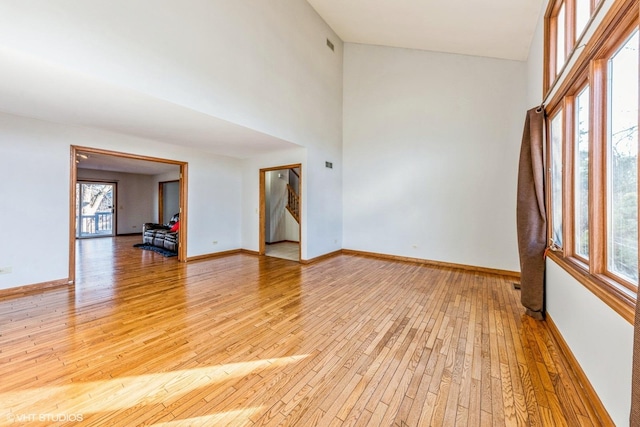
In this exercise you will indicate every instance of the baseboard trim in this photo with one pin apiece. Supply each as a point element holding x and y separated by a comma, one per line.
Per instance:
<point>438,264</point>
<point>583,381</point>
<point>30,289</point>
<point>321,257</point>
<point>249,252</point>
<point>214,255</point>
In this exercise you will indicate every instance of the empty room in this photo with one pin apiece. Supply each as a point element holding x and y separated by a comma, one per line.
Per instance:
<point>456,184</point>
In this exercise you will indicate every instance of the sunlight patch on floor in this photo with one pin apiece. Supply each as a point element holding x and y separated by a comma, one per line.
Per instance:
<point>126,392</point>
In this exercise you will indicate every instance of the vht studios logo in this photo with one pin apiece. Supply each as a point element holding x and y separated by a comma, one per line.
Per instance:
<point>21,418</point>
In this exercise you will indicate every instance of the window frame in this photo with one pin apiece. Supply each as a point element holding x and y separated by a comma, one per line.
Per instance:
<point>572,175</point>
<point>559,111</point>
<point>590,67</point>
<point>553,70</point>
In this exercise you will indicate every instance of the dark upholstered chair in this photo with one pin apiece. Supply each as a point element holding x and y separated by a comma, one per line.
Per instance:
<point>160,235</point>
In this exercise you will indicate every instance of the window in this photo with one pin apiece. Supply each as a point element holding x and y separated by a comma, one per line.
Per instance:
<point>622,161</point>
<point>592,153</point>
<point>565,23</point>
<point>583,14</point>
<point>561,32</point>
<point>581,178</point>
<point>556,179</point>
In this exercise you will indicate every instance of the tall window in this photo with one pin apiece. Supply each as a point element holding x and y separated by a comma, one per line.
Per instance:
<point>565,22</point>
<point>556,179</point>
<point>581,178</point>
<point>593,144</point>
<point>561,41</point>
<point>583,13</point>
<point>622,156</point>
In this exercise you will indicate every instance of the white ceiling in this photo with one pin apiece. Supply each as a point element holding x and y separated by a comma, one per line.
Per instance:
<point>107,162</point>
<point>492,28</point>
<point>36,88</point>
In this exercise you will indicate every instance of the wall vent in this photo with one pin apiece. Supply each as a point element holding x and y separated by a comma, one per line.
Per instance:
<point>330,44</point>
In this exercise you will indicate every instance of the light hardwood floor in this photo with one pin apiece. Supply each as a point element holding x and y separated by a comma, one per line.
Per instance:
<point>247,340</point>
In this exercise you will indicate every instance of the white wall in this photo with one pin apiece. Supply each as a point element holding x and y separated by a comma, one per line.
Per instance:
<point>534,63</point>
<point>34,183</point>
<point>134,196</point>
<point>431,144</point>
<point>291,228</point>
<point>263,65</point>
<point>600,339</point>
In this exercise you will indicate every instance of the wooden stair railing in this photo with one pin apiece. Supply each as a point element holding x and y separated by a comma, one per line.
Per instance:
<point>293,203</point>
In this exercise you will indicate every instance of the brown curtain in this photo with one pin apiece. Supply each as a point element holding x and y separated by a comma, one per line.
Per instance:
<point>635,377</point>
<point>531,214</point>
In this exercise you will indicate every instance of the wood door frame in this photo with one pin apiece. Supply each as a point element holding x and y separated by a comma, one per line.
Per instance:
<point>184,166</point>
<point>263,204</point>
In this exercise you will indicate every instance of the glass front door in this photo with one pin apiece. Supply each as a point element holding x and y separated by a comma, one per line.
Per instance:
<point>95,212</point>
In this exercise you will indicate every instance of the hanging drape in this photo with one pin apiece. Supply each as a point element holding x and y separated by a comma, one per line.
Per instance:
<point>635,378</point>
<point>531,214</point>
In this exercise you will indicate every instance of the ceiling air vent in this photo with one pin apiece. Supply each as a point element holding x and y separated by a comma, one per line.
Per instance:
<point>330,44</point>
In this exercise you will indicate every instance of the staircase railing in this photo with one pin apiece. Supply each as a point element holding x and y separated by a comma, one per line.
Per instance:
<point>293,203</point>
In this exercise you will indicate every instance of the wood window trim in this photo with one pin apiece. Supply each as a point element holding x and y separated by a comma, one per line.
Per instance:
<point>569,177</point>
<point>558,110</point>
<point>623,14</point>
<point>590,67</point>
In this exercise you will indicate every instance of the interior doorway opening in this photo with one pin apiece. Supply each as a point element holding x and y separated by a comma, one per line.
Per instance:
<point>168,200</point>
<point>280,212</point>
<point>112,161</point>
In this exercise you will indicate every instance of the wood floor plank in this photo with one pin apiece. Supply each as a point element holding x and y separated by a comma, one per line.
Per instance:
<point>257,341</point>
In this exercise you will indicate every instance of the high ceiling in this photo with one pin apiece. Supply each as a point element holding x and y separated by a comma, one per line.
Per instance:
<point>34,87</point>
<point>492,28</point>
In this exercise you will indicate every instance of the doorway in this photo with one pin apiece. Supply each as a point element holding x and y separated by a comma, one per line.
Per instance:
<point>95,213</point>
<point>168,200</point>
<point>134,164</point>
<point>281,212</point>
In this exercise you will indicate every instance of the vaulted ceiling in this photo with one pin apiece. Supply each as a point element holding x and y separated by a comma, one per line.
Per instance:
<point>37,88</point>
<point>492,28</point>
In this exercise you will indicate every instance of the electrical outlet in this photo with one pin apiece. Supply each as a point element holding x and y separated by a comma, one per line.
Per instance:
<point>134,226</point>
<point>215,242</point>
<point>5,270</point>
